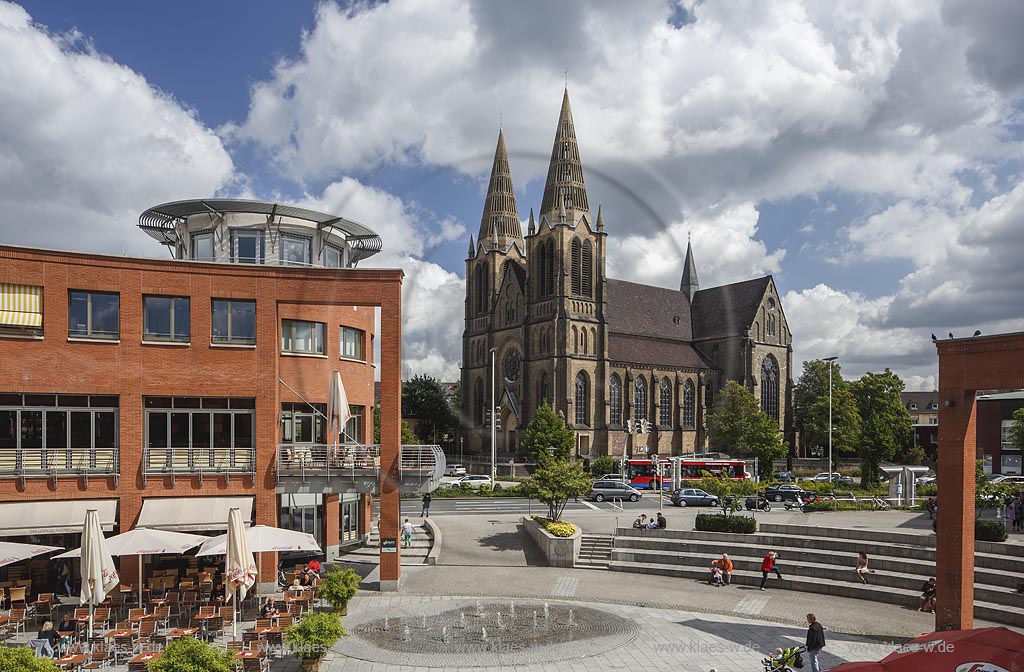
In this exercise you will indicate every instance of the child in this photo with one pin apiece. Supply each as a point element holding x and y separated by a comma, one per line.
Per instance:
<point>716,576</point>
<point>862,567</point>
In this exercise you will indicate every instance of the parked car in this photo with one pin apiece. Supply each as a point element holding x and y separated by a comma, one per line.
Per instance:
<point>927,478</point>
<point>455,470</point>
<point>787,492</point>
<point>836,478</point>
<point>784,476</point>
<point>1005,479</point>
<point>601,490</point>
<point>693,497</point>
<point>474,481</point>
<point>613,477</point>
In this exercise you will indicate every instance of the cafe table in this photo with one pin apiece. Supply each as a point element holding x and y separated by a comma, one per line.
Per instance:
<point>249,653</point>
<point>112,634</point>
<point>181,632</point>
<point>146,657</point>
<point>72,661</point>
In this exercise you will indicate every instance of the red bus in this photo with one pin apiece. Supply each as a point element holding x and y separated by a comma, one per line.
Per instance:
<point>641,472</point>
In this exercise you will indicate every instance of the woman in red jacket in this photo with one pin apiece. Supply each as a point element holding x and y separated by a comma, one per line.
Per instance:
<point>768,566</point>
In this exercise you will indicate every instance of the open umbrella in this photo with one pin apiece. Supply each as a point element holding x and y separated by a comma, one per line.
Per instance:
<point>145,541</point>
<point>240,568</point>
<point>98,574</point>
<point>11,552</point>
<point>263,539</point>
<point>981,650</point>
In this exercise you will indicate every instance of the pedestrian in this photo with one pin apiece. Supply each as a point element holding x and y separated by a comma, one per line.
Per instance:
<point>1020,513</point>
<point>862,567</point>
<point>928,596</point>
<point>725,564</point>
<point>641,522</point>
<point>425,513</point>
<point>662,523</point>
<point>815,641</point>
<point>406,534</point>
<point>768,566</point>
<point>931,507</point>
<point>64,578</point>
<point>1012,512</point>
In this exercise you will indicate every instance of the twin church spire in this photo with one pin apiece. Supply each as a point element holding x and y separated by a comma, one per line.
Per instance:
<point>499,225</point>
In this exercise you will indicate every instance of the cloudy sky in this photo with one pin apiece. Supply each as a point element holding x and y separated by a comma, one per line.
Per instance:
<point>866,153</point>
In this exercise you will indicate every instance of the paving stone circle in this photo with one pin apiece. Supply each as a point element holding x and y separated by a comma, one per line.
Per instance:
<point>478,633</point>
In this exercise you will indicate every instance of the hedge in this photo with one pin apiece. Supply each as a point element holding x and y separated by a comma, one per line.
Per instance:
<point>556,527</point>
<point>716,522</point>
<point>989,530</point>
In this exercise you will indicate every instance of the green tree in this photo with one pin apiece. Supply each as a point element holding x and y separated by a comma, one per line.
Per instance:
<point>555,481</point>
<point>547,430</point>
<point>423,398</point>
<point>737,423</point>
<point>188,654</point>
<point>408,438</point>
<point>22,659</point>
<point>1017,429</point>
<point>845,421</point>
<point>603,464</point>
<point>812,384</point>
<point>885,425</point>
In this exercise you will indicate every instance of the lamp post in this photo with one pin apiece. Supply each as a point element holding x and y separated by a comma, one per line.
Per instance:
<point>829,360</point>
<point>494,433</point>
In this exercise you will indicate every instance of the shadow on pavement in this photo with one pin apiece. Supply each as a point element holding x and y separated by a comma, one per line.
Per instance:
<point>518,540</point>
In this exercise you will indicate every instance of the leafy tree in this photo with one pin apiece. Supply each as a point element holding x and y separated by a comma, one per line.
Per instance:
<point>22,659</point>
<point>603,464</point>
<point>408,438</point>
<point>1017,429</point>
<point>737,422</point>
<point>885,425</point>
<point>189,654</point>
<point>812,384</point>
<point>423,398</point>
<point>555,481</point>
<point>547,430</point>
<point>845,421</point>
<point>376,423</point>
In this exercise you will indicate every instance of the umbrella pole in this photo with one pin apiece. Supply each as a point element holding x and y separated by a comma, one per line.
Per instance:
<point>140,581</point>
<point>259,595</point>
<point>92,607</point>
<point>234,614</point>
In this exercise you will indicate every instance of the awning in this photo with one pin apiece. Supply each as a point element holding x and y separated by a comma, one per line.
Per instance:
<point>19,519</point>
<point>21,305</point>
<point>192,514</point>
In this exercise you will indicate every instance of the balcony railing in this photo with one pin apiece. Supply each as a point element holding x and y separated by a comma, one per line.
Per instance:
<point>356,461</point>
<point>58,462</point>
<point>200,461</point>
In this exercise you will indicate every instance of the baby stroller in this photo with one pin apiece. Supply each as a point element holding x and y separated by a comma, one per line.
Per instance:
<point>787,661</point>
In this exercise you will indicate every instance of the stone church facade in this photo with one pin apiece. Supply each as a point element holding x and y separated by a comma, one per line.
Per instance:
<point>603,351</point>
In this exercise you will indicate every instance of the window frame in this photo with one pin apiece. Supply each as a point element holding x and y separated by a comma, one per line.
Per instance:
<point>361,355</point>
<point>640,398</point>
<point>665,402</point>
<point>615,400</point>
<point>284,238</point>
<point>90,334</point>
<point>341,256</point>
<point>230,339</point>
<point>237,234</point>
<point>148,336</point>
<point>581,400</point>
<point>206,234</point>
<point>289,325</point>
<point>689,405</point>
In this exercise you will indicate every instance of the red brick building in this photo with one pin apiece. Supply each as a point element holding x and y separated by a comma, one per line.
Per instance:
<point>164,392</point>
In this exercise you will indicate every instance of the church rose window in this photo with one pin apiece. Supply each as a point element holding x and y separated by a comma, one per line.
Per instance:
<point>511,364</point>
<point>770,387</point>
<point>615,400</point>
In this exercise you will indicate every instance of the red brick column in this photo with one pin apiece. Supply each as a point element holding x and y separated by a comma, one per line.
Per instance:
<point>390,431</point>
<point>332,524</point>
<point>365,513</point>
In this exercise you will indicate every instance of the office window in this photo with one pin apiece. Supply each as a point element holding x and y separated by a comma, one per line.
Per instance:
<point>21,310</point>
<point>165,318</point>
<point>62,431</point>
<point>203,246</point>
<point>191,433</point>
<point>302,337</point>
<point>247,246</point>
<point>295,250</point>
<point>234,321</point>
<point>93,315</point>
<point>332,257</point>
<point>352,343</point>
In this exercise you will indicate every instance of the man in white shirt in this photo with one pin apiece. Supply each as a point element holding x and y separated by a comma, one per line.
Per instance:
<point>407,534</point>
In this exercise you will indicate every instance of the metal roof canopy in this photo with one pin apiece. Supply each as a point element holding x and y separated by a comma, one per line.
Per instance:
<point>162,221</point>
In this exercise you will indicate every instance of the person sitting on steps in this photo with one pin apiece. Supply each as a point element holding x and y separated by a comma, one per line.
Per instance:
<point>928,596</point>
<point>862,567</point>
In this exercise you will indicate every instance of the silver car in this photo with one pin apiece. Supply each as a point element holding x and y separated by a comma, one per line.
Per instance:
<point>601,490</point>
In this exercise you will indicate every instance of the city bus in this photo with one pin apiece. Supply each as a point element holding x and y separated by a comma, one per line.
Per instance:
<point>640,472</point>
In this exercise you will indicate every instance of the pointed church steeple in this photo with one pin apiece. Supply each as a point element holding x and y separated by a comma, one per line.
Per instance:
<point>600,218</point>
<point>472,247</point>
<point>500,220</point>
<point>533,226</point>
<point>689,284</point>
<point>565,186</point>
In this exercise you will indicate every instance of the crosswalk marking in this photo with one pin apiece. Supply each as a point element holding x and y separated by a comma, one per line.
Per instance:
<point>566,586</point>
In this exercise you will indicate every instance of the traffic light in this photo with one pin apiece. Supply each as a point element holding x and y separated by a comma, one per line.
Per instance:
<point>497,422</point>
<point>645,427</point>
<point>629,427</point>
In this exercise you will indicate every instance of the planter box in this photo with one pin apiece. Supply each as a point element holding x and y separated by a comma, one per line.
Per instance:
<point>558,551</point>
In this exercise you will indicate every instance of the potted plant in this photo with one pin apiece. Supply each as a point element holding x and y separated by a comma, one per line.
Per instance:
<point>313,636</point>
<point>339,586</point>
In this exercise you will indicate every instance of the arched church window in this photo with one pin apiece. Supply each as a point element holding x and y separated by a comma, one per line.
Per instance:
<point>709,395</point>
<point>586,271</point>
<point>688,405</point>
<point>478,405</point>
<point>582,401</point>
<point>640,398</point>
<point>549,268</point>
<point>542,390</point>
<point>576,256</point>
<point>615,400</point>
<point>665,403</point>
<point>482,289</point>
<point>770,320</point>
<point>770,387</point>
<point>583,337</point>
<point>575,340</point>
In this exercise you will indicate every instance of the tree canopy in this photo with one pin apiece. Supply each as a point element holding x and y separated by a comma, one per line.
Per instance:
<point>547,430</point>
<point>424,399</point>
<point>188,654</point>
<point>23,659</point>
<point>555,481</point>
<point>885,424</point>
<point>737,422</point>
<point>1017,429</point>
<point>845,421</point>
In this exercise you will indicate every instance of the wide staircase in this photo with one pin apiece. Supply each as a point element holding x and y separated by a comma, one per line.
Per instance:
<point>422,542</point>
<point>595,551</point>
<point>822,560</point>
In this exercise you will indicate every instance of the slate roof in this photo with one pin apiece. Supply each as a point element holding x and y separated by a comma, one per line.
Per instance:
<point>645,310</point>
<point>922,399</point>
<point>728,310</point>
<point>654,352</point>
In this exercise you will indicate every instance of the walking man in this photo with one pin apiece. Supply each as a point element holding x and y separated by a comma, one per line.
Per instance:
<point>425,513</point>
<point>768,566</point>
<point>406,534</point>
<point>815,641</point>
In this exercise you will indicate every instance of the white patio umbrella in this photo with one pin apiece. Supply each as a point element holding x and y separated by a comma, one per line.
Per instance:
<point>240,568</point>
<point>146,541</point>
<point>264,539</point>
<point>11,552</point>
<point>98,574</point>
<point>338,411</point>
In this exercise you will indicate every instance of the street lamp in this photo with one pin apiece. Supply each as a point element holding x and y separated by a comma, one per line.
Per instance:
<point>829,360</point>
<point>494,424</point>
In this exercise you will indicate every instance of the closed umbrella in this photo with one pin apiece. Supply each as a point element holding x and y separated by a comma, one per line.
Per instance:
<point>338,411</point>
<point>240,568</point>
<point>98,574</point>
<point>146,541</point>
<point>11,552</point>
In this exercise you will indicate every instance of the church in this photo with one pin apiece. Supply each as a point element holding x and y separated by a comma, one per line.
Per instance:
<point>601,351</point>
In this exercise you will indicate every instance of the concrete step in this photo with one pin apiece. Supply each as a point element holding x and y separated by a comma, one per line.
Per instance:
<point>1012,615</point>
<point>1013,547</point>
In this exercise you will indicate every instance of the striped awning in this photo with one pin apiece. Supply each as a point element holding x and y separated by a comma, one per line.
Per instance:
<point>21,305</point>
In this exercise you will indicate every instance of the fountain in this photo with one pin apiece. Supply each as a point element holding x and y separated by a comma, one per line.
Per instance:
<point>535,619</point>
<point>406,634</point>
<point>386,626</point>
<point>512,610</point>
<point>479,609</point>
<point>545,611</point>
<point>500,624</point>
<point>572,619</point>
<point>462,619</point>
<point>423,623</point>
<point>483,634</point>
<point>444,634</point>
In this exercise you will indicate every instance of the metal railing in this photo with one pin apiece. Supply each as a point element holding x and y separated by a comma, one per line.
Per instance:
<point>326,460</point>
<point>52,462</point>
<point>175,461</point>
<point>425,461</point>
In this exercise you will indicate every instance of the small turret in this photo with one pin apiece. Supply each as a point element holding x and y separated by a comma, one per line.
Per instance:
<point>533,227</point>
<point>472,247</point>
<point>600,218</point>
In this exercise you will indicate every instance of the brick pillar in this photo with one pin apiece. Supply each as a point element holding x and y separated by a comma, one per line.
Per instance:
<point>390,431</point>
<point>332,522</point>
<point>954,555</point>
<point>365,513</point>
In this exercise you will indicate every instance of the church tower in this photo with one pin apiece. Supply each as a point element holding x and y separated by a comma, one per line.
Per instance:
<point>688,284</point>
<point>566,293</point>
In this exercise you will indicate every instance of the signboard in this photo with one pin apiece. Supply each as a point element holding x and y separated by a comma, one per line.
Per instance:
<point>388,545</point>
